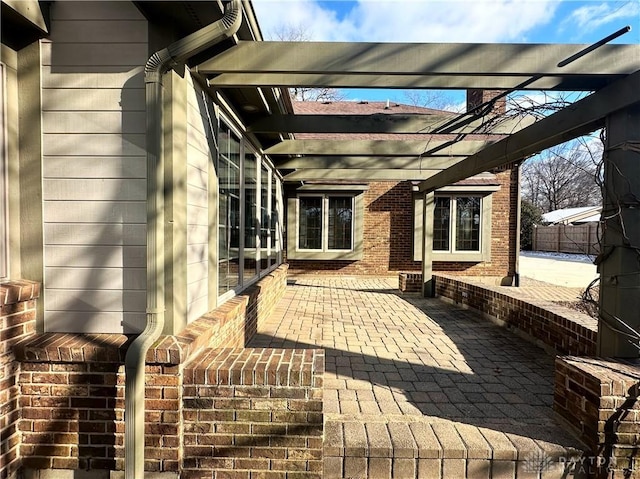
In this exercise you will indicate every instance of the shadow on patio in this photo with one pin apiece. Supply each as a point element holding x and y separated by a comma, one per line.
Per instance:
<point>407,362</point>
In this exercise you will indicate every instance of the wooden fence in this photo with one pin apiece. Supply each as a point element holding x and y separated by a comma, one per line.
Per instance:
<point>567,238</point>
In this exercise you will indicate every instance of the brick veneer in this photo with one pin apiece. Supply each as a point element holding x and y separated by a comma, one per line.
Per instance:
<point>253,413</point>
<point>73,387</point>
<point>410,282</point>
<point>388,234</point>
<point>551,326</point>
<point>17,322</point>
<point>598,398</point>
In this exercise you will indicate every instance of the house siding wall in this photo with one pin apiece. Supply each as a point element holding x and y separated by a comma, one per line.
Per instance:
<point>388,234</point>
<point>199,160</point>
<point>94,167</point>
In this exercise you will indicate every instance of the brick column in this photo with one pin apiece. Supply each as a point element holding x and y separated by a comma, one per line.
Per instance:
<point>17,322</point>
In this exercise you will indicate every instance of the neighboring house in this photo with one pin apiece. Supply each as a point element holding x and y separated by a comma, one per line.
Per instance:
<point>140,198</point>
<point>567,216</point>
<point>474,220</point>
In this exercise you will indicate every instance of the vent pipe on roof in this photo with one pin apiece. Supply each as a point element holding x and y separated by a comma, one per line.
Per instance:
<point>174,56</point>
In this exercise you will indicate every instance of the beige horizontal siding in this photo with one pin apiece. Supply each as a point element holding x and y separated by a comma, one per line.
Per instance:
<point>94,167</point>
<point>95,212</point>
<point>87,99</point>
<point>198,163</point>
<point>111,234</point>
<point>96,278</point>
<point>101,122</point>
<point>91,256</point>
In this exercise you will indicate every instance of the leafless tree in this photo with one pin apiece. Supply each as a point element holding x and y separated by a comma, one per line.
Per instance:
<point>301,33</point>
<point>565,176</point>
<point>435,99</point>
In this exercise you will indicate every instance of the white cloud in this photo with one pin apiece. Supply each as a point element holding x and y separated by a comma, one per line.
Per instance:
<point>320,24</point>
<point>410,21</point>
<point>590,17</point>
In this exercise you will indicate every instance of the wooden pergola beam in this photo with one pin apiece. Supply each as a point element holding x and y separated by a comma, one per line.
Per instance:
<point>416,82</point>
<point>465,59</point>
<point>368,162</point>
<point>383,123</point>
<point>581,118</point>
<point>399,147</point>
<point>358,175</point>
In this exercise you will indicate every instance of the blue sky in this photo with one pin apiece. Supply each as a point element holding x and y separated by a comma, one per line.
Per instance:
<point>494,21</point>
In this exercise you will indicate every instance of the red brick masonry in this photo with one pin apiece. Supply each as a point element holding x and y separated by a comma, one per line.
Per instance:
<point>549,325</point>
<point>253,411</point>
<point>72,392</point>
<point>598,398</point>
<point>17,322</point>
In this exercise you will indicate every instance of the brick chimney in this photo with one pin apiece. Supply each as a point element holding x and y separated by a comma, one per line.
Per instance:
<point>477,97</point>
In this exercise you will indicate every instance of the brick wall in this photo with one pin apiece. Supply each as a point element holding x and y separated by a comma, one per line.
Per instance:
<point>253,413</point>
<point>17,323</point>
<point>72,397</point>
<point>388,234</point>
<point>410,282</point>
<point>598,399</point>
<point>549,325</point>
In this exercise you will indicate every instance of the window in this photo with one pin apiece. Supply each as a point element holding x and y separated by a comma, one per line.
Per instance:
<point>325,226</point>
<point>229,210</point>
<point>265,176</point>
<point>325,223</point>
<point>273,247</point>
<point>250,268</point>
<point>246,188</point>
<point>4,239</point>
<point>465,230</point>
<point>461,224</point>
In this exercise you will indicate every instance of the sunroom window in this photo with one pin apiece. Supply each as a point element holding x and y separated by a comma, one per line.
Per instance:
<point>4,240</point>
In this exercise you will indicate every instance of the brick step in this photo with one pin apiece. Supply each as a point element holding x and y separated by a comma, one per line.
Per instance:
<point>441,450</point>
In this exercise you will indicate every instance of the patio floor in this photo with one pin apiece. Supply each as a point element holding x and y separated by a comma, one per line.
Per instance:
<point>415,387</point>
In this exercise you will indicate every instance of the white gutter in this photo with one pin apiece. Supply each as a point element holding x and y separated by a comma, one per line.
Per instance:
<point>175,55</point>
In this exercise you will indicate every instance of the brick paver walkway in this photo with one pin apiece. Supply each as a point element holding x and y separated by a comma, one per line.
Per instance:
<point>404,371</point>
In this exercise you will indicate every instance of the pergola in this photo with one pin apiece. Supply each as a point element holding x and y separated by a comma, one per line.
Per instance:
<point>611,72</point>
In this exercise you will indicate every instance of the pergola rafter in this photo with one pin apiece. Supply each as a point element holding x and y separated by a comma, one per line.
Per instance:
<point>385,124</point>
<point>397,147</point>
<point>433,59</point>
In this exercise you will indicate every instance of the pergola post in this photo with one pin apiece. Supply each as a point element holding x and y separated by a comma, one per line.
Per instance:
<point>428,285</point>
<point>620,250</point>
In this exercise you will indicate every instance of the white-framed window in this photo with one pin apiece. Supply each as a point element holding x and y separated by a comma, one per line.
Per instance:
<point>325,223</point>
<point>4,197</point>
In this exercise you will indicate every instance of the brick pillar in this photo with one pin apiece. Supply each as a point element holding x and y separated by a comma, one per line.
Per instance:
<point>17,322</point>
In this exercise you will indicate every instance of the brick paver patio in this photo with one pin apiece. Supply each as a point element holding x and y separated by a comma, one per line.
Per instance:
<point>415,387</point>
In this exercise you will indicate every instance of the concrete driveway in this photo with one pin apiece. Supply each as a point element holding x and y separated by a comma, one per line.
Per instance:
<point>572,271</point>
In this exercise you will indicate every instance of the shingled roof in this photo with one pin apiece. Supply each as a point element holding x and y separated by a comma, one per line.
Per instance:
<point>361,108</point>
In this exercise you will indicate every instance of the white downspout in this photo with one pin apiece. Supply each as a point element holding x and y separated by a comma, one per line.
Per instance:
<point>160,62</point>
